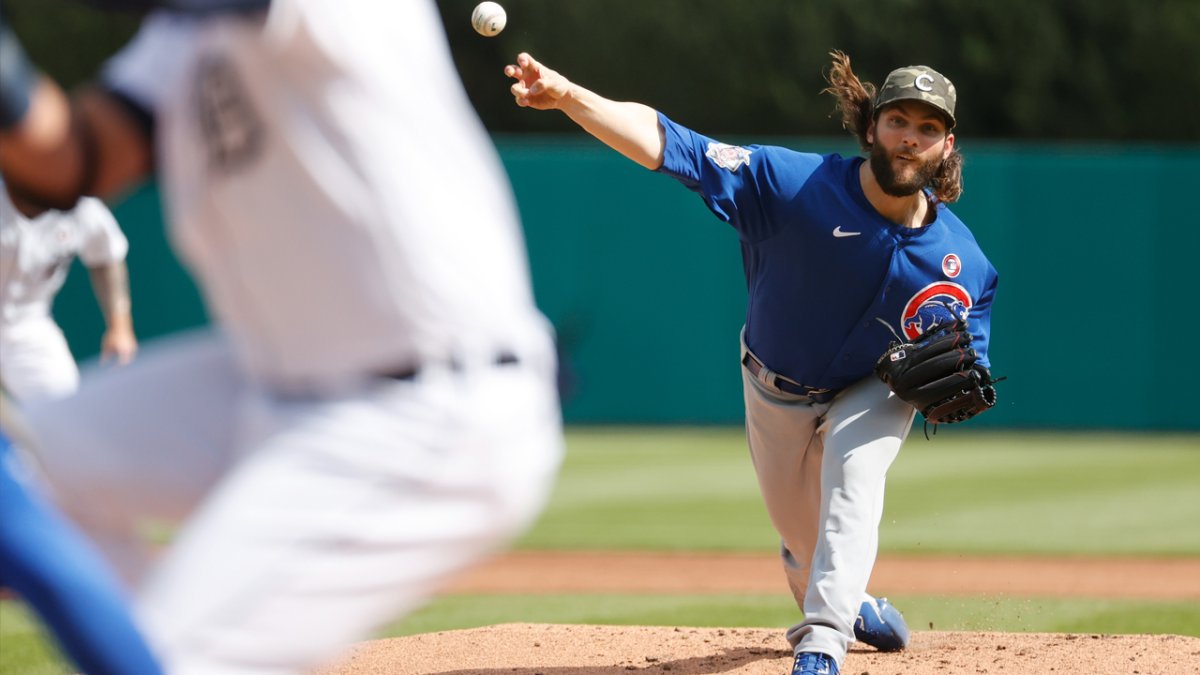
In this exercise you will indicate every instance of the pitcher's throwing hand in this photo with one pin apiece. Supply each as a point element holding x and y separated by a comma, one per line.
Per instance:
<point>537,86</point>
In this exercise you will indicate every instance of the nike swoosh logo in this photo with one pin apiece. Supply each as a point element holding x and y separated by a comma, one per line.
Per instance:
<point>839,232</point>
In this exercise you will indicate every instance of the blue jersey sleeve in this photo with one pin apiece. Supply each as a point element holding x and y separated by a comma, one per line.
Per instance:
<point>748,187</point>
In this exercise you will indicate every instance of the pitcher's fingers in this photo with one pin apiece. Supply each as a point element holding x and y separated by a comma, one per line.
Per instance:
<point>527,62</point>
<point>520,93</point>
<point>513,71</point>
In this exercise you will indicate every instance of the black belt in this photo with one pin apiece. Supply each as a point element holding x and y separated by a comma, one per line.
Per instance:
<point>781,383</point>
<point>500,359</point>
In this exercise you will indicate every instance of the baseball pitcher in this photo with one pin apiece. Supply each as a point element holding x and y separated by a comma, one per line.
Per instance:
<point>845,259</point>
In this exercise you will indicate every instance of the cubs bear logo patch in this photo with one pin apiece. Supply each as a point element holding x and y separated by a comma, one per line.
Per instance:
<point>728,157</point>
<point>935,304</point>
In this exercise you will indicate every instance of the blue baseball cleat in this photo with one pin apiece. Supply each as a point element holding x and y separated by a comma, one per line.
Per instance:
<point>880,625</point>
<point>814,663</point>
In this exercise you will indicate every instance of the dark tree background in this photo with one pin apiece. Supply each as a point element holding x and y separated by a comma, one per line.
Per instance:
<point>1111,70</point>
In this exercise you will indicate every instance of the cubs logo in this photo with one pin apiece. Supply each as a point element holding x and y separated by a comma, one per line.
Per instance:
<point>951,265</point>
<point>728,156</point>
<point>935,304</point>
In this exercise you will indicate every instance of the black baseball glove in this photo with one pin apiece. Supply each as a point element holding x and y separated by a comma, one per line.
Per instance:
<point>938,375</point>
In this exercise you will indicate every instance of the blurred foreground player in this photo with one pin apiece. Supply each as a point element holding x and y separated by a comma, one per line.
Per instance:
<point>377,410</point>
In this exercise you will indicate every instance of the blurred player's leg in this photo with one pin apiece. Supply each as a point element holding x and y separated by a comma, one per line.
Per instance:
<point>55,569</point>
<point>144,443</point>
<point>351,512</point>
<point>35,362</point>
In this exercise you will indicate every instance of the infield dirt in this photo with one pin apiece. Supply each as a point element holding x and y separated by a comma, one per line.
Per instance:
<point>540,649</point>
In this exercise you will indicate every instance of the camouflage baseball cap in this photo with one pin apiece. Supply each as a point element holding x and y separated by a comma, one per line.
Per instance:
<point>918,83</point>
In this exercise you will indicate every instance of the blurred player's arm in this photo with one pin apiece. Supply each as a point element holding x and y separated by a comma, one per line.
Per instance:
<point>54,150</point>
<point>110,282</point>
<point>631,129</point>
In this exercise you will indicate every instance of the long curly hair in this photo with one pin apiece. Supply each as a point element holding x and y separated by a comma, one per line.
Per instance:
<point>856,105</point>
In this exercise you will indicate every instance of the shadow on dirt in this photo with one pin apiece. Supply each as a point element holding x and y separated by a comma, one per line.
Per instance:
<point>723,662</point>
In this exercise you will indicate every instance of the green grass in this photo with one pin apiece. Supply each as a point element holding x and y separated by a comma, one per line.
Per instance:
<point>1046,494</point>
<point>24,647</point>
<point>762,610</point>
<point>961,492</point>
<point>678,489</point>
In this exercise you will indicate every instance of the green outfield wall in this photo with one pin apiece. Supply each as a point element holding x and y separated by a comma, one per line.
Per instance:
<point>1095,245</point>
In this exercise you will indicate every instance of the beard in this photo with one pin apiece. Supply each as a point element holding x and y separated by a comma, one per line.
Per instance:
<point>921,176</point>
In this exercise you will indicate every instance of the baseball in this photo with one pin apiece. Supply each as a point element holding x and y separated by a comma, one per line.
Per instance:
<point>488,19</point>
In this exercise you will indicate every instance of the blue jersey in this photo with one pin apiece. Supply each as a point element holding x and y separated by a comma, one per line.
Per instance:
<point>823,266</point>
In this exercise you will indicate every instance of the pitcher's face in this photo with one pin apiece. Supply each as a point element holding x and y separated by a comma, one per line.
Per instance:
<point>909,142</point>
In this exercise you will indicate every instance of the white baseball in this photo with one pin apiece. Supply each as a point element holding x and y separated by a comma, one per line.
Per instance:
<point>488,19</point>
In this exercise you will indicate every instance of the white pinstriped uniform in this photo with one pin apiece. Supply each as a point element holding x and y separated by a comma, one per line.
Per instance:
<point>346,217</point>
<point>35,257</point>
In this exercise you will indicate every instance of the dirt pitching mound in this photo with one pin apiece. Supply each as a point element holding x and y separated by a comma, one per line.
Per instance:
<point>541,649</point>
